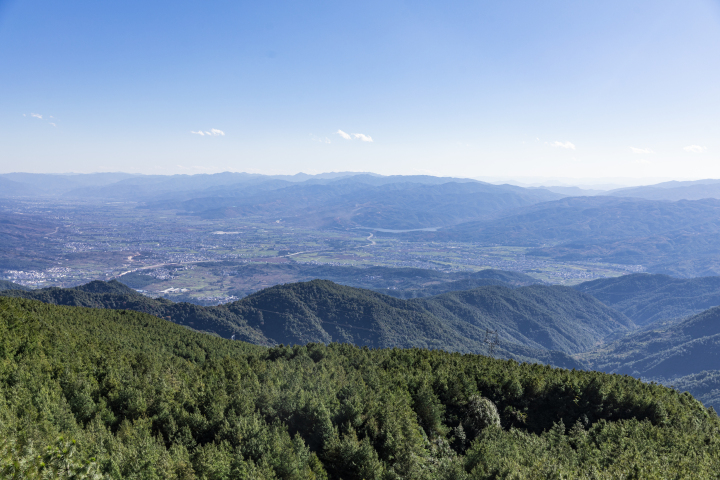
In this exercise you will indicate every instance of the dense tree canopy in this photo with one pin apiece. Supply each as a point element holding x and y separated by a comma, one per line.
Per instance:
<point>88,393</point>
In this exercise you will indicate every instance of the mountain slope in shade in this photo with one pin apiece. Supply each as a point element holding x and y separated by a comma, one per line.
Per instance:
<point>547,317</point>
<point>689,347</point>
<point>647,298</point>
<point>322,311</point>
<point>6,285</point>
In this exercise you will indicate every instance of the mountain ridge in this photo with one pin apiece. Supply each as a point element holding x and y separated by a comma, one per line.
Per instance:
<point>322,311</point>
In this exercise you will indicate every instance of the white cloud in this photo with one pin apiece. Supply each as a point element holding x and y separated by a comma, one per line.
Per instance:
<point>695,149</point>
<point>36,115</point>
<point>214,132</point>
<point>357,136</point>
<point>563,145</point>
<point>343,135</point>
<point>51,123</point>
<point>641,150</point>
<point>642,161</point>
<point>364,138</point>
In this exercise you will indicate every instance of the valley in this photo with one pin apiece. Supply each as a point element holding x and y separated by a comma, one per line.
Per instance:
<point>75,242</point>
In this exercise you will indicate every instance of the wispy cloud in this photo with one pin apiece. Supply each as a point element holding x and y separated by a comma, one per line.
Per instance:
<point>694,149</point>
<point>214,132</point>
<point>344,135</point>
<point>51,123</point>
<point>563,145</point>
<point>319,139</point>
<point>642,161</point>
<point>363,137</point>
<point>357,136</point>
<point>36,115</point>
<point>641,150</point>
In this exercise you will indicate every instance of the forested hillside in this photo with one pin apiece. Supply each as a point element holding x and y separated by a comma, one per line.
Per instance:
<point>678,350</point>
<point>541,316</point>
<point>5,285</point>
<point>87,393</point>
<point>686,354</point>
<point>536,323</point>
<point>440,288</point>
<point>116,296</point>
<point>647,299</point>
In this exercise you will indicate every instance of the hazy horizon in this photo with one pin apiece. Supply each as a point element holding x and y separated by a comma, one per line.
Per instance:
<point>600,183</point>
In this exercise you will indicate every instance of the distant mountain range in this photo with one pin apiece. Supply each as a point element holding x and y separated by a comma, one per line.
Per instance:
<point>329,200</point>
<point>397,206</point>
<point>678,238</point>
<point>673,191</point>
<point>127,186</point>
<point>587,219</point>
<point>667,228</point>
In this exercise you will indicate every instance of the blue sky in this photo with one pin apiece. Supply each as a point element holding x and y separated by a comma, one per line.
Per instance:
<point>476,89</point>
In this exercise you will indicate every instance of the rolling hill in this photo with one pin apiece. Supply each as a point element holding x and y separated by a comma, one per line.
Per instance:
<point>689,347</point>
<point>541,316</point>
<point>6,285</point>
<point>533,323</point>
<point>647,298</point>
<point>677,238</point>
<point>686,354</point>
<point>116,296</point>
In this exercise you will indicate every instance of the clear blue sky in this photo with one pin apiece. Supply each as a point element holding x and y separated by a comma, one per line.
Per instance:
<point>512,88</point>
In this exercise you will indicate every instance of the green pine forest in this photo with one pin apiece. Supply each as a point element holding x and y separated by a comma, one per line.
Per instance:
<point>97,393</point>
